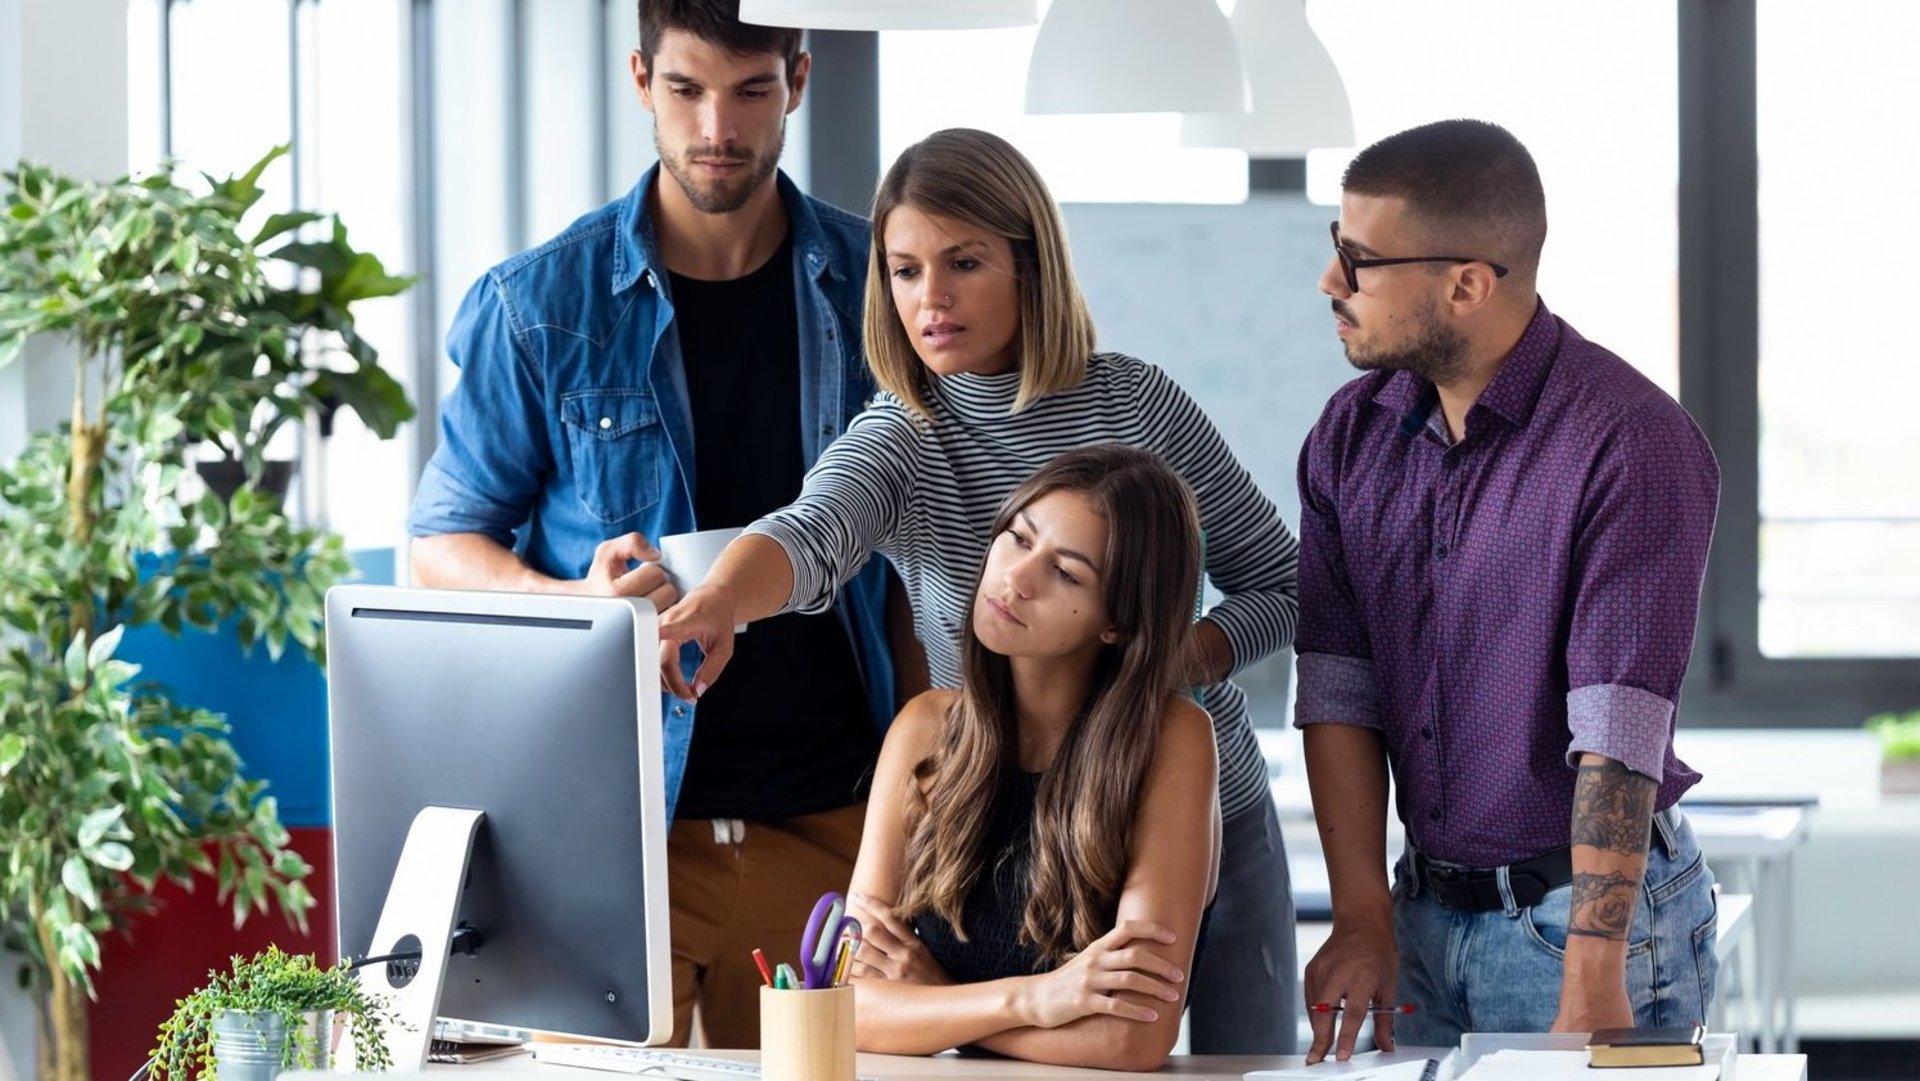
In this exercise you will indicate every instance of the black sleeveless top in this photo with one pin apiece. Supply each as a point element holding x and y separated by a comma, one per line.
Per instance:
<point>993,910</point>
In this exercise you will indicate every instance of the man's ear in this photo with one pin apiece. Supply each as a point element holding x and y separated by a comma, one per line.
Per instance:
<point>642,78</point>
<point>1473,286</point>
<point>797,80</point>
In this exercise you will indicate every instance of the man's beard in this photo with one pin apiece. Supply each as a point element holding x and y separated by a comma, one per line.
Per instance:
<point>721,196</point>
<point>1437,353</point>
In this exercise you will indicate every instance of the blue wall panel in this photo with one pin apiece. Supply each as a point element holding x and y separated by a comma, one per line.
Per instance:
<point>278,709</point>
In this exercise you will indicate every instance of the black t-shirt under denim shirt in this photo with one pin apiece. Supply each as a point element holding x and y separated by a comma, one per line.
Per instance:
<point>786,730</point>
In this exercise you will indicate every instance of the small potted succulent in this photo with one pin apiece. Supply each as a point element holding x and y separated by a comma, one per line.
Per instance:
<point>1899,751</point>
<point>271,1012</point>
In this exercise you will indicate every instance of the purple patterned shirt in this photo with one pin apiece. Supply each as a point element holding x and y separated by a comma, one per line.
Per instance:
<point>1498,606</point>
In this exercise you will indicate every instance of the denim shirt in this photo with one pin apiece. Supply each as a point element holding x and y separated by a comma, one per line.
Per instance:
<point>570,424</point>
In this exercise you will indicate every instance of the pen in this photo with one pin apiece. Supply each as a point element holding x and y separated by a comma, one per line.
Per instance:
<point>840,962</point>
<point>784,979</point>
<point>760,959</point>
<point>1336,1007</point>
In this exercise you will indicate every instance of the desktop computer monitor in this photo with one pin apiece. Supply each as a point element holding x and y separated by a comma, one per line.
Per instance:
<point>522,731</point>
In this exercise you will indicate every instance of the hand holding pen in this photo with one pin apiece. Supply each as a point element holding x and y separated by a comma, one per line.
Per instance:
<point>1337,1007</point>
<point>1359,965</point>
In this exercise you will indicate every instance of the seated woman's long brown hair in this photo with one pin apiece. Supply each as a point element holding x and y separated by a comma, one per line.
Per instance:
<point>1084,812</point>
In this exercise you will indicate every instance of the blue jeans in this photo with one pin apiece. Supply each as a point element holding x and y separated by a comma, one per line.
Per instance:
<point>1499,971</point>
<point>1245,992</point>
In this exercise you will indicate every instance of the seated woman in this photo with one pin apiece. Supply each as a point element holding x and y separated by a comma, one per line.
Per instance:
<point>1041,842</point>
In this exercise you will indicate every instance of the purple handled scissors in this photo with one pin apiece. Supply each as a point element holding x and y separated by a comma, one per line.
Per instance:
<point>818,944</point>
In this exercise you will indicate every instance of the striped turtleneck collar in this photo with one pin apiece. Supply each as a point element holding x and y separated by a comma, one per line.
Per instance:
<point>977,399</point>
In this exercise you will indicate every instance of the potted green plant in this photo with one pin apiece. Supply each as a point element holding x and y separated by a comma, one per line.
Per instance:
<point>292,350</point>
<point>107,784</point>
<point>270,1012</point>
<point>1899,751</point>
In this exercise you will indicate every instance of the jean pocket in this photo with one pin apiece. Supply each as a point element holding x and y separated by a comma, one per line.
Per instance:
<point>618,449</point>
<point>1545,924</point>
<point>1706,957</point>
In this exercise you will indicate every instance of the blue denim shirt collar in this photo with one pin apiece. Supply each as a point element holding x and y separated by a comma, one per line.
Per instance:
<point>637,250</point>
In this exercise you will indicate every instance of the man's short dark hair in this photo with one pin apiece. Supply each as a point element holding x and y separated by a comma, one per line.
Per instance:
<point>715,21</point>
<point>1468,181</point>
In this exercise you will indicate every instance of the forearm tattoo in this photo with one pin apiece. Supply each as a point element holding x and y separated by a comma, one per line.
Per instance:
<point>1602,905</point>
<point>1613,808</point>
<point>1613,812</point>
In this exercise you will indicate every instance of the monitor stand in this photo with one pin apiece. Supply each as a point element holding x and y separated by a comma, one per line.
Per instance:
<point>418,915</point>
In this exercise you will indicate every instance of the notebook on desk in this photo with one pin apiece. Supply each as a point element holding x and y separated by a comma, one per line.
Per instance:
<point>462,1050</point>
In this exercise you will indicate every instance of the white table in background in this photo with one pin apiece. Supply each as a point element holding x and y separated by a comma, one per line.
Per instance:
<point>1754,846</point>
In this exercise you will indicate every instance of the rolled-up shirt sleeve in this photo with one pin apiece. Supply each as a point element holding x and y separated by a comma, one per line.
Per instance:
<point>1638,562</point>
<point>494,454</point>
<point>849,505</point>
<point>1337,683</point>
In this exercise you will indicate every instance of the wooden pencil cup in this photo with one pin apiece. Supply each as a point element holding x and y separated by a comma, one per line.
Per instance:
<point>806,1035</point>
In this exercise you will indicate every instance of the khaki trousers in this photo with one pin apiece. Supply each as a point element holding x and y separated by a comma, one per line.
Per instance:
<point>735,885</point>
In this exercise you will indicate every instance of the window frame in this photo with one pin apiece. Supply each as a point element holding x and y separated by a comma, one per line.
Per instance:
<point>1731,682</point>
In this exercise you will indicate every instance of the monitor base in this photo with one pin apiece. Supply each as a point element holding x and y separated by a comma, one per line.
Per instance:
<point>418,915</point>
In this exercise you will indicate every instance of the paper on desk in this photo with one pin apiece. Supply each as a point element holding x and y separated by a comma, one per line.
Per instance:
<point>1366,1066</point>
<point>1511,1065</point>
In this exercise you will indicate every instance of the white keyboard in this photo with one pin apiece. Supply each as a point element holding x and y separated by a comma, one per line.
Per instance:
<point>645,1061</point>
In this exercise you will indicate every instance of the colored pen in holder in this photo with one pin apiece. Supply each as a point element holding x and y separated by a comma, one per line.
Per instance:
<point>806,1035</point>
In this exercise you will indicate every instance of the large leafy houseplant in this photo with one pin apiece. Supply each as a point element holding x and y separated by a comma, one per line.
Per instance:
<point>107,784</point>
<point>265,999</point>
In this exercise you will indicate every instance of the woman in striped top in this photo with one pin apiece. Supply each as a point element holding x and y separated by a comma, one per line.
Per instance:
<point>978,334</point>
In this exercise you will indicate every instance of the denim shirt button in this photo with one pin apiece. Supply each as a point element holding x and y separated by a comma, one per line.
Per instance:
<point>605,423</point>
<point>679,711</point>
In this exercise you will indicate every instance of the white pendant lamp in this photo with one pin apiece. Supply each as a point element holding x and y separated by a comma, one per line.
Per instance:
<point>891,14</point>
<point>1299,101</point>
<point>1135,56</point>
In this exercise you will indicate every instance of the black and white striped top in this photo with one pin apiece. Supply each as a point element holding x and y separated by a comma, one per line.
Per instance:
<point>924,493</point>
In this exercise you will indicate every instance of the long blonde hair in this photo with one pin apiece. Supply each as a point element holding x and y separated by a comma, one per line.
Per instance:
<point>1083,818</point>
<point>979,178</point>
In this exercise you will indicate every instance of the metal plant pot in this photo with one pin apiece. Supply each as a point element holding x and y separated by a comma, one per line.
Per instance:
<point>254,1046</point>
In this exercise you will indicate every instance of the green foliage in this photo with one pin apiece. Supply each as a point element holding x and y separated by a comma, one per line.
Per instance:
<point>1899,734</point>
<point>168,284</point>
<point>107,784</point>
<point>276,983</point>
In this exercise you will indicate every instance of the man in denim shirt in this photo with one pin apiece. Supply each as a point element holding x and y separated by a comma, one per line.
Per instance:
<point>675,361</point>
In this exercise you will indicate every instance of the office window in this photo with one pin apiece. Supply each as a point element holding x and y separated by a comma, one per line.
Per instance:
<point>1591,89</point>
<point>353,160</point>
<point>232,92</point>
<point>1839,456</point>
<point>214,84</point>
<point>933,79</point>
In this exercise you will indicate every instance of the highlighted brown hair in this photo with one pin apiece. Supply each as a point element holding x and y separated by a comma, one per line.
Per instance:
<point>980,179</point>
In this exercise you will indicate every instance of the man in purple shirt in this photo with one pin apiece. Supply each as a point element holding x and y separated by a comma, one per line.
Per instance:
<point>1503,532</point>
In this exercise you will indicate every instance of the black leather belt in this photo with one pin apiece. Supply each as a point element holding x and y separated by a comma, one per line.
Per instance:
<point>1471,889</point>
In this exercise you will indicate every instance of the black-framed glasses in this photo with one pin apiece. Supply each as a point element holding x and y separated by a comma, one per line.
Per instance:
<point>1349,265</point>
